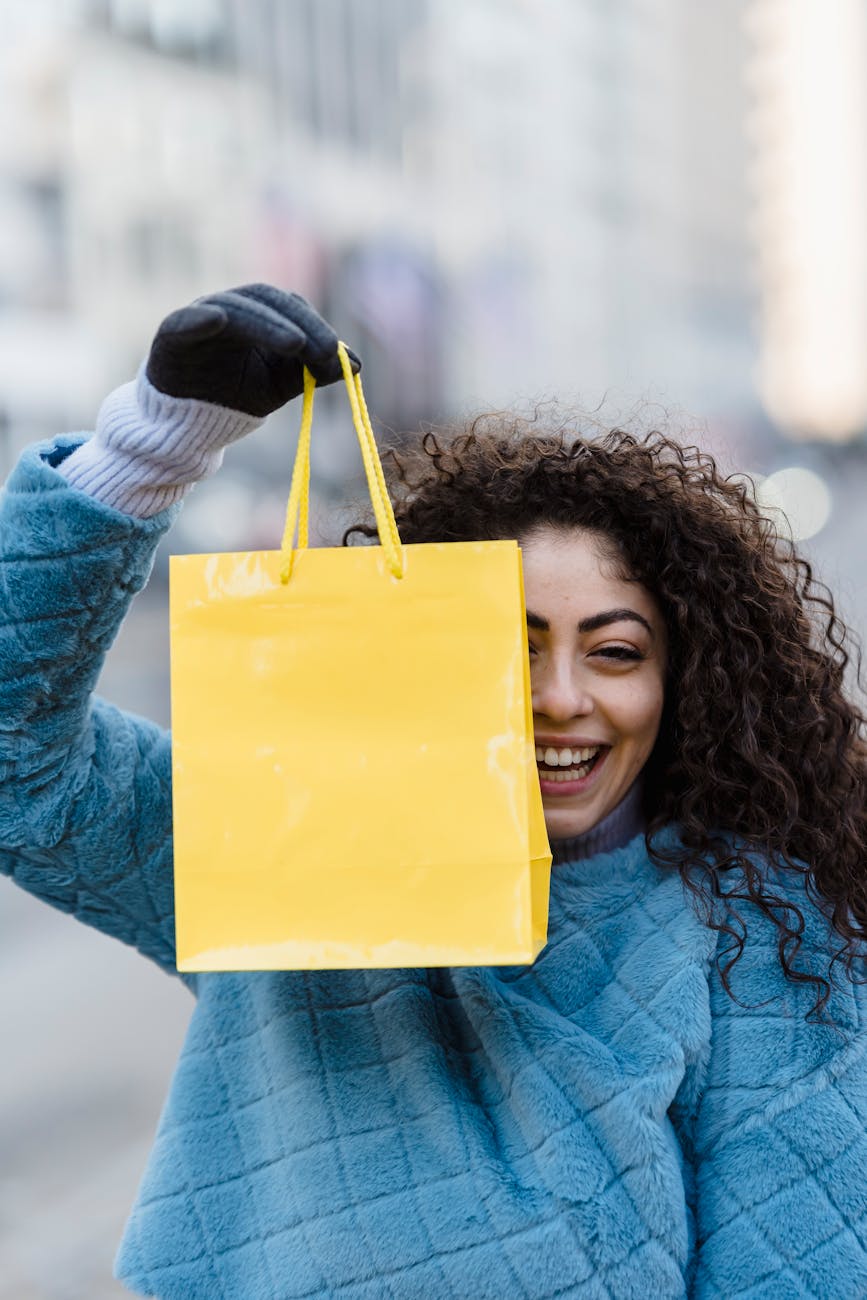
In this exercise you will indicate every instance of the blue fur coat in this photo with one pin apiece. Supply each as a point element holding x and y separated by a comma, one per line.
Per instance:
<point>605,1123</point>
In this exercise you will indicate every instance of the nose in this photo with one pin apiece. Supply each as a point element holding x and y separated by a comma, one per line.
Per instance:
<point>560,690</point>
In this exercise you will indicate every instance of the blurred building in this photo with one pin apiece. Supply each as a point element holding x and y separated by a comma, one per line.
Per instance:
<point>127,186</point>
<point>604,246</point>
<point>497,201</point>
<point>808,124</point>
<point>348,220</point>
<point>562,185</point>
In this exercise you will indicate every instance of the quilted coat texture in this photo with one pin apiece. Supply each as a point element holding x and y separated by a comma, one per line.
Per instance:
<point>605,1123</point>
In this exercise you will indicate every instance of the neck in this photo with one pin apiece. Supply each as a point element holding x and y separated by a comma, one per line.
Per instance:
<point>615,829</point>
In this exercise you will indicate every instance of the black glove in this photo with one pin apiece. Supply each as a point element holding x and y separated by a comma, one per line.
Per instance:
<point>245,349</point>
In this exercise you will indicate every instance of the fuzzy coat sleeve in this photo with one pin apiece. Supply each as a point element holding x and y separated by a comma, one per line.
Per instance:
<point>778,1133</point>
<point>85,790</point>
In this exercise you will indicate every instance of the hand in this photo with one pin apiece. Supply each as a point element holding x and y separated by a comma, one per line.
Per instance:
<point>245,349</point>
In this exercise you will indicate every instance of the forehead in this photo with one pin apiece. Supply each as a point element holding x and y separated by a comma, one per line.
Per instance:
<point>579,572</point>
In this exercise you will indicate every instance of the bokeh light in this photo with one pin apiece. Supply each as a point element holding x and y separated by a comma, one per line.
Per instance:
<point>798,498</point>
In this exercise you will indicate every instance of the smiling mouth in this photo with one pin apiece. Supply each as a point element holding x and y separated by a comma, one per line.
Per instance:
<point>577,772</point>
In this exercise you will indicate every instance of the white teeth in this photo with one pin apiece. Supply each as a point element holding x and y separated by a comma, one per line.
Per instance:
<point>565,757</point>
<point>574,774</point>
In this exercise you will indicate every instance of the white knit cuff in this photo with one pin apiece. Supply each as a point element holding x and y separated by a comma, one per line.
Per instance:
<point>149,448</point>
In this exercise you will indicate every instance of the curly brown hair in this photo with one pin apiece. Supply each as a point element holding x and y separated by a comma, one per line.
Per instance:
<point>760,755</point>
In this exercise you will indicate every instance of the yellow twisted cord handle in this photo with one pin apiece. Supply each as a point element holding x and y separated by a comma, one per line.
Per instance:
<point>386,524</point>
<point>300,485</point>
<point>299,492</point>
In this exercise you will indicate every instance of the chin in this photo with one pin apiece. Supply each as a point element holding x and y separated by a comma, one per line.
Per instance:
<point>563,824</point>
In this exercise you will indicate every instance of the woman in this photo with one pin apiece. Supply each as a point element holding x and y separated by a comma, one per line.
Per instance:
<point>672,1100</point>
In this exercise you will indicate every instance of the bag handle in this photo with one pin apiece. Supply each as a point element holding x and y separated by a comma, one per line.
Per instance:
<point>299,493</point>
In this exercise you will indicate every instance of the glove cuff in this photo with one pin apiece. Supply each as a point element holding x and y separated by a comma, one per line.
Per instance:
<point>150,448</point>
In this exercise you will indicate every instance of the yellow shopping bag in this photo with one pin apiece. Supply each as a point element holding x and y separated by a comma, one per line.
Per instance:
<point>354,770</point>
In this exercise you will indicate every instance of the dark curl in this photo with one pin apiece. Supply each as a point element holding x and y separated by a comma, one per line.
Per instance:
<point>758,739</point>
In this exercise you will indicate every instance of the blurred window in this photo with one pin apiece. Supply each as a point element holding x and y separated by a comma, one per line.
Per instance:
<point>161,246</point>
<point>96,13</point>
<point>33,257</point>
<point>143,235</point>
<point>196,29</point>
<point>130,18</point>
<point>335,68</point>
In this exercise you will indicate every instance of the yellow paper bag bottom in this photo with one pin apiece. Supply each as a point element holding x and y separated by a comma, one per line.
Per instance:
<point>454,906</point>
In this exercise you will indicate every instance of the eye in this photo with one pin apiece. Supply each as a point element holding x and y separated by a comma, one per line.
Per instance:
<point>619,653</point>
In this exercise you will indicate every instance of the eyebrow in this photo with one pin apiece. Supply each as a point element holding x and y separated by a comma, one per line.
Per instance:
<point>595,621</point>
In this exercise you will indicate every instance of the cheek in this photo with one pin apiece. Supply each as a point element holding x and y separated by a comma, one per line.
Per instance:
<point>640,710</point>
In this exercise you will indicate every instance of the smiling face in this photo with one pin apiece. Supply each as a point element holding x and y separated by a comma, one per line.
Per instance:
<point>597,671</point>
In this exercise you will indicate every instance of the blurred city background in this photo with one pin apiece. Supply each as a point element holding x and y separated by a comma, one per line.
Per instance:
<point>653,210</point>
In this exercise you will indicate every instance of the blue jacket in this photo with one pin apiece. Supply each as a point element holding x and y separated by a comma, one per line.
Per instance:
<point>605,1123</point>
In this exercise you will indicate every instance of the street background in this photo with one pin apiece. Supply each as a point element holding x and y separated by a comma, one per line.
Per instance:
<point>653,211</point>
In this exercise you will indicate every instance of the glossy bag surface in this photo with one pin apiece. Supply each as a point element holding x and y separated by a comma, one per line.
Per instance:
<point>353,762</point>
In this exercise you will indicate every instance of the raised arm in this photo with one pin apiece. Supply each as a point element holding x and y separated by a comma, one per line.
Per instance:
<point>85,793</point>
<point>85,802</point>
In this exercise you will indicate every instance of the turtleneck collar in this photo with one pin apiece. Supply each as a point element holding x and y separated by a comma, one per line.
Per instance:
<point>615,829</point>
